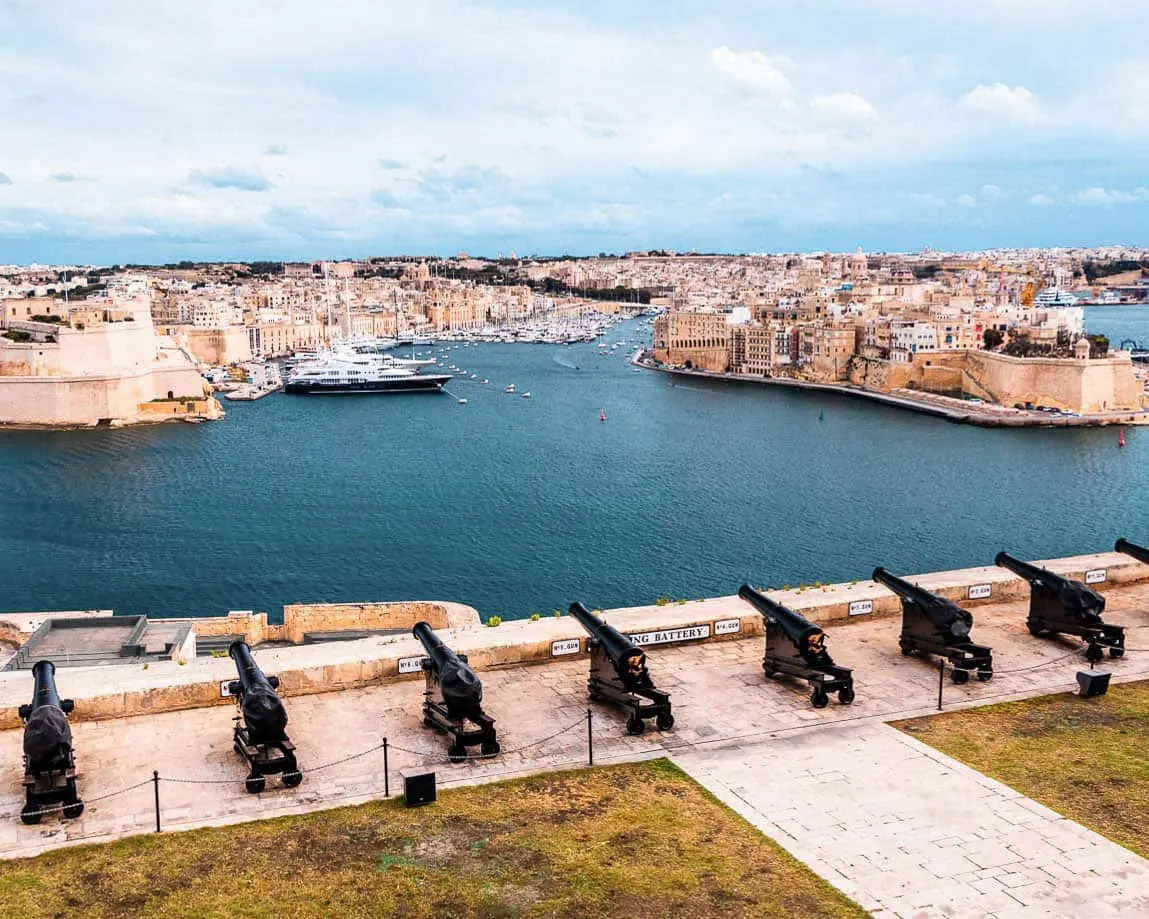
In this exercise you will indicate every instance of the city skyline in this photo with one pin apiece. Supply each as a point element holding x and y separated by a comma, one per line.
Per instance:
<point>199,133</point>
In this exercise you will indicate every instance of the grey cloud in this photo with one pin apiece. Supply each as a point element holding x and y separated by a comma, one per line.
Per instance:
<point>4,179</point>
<point>598,131</point>
<point>384,198</point>
<point>391,164</point>
<point>466,181</point>
<point>65,177</point>
<point>275,150</point>
<point>238,177</point>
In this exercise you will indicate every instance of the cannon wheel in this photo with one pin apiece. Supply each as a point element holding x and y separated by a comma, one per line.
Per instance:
<point>73,810</point>
<point>456,753</point>
<point>1116,652</point>
<point>490,748</point>
<point>905,648</point>
<point>291,779</point>
<point>635,725</point>
<point>819,698</point>
<point>665,721</point>
<point>254,784</point>
<point>985,674</point>
<point>1034,629</point>
<point>30,814</point>
<point>846,695</point>
<point>960,676</point>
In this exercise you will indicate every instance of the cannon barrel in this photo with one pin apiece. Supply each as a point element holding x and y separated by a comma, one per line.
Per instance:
<point>44,685</point>
<point>1131,548</point>
<point>796,626</point>
<point>47,734</point>
<point>945,615</point>
<point>1076,598</point>
<point>627,658</point>
<point>1024,569</point>
<point>263,710</point>
<point>462,690</point>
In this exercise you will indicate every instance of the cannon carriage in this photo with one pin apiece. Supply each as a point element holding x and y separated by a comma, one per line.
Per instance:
<point>935,625</point>
<point>1061,606</point>
<point>261,725</point>
<point>618,674</point>
<point>453,697</point>
<point>796,647</point>
<point>49,758</point>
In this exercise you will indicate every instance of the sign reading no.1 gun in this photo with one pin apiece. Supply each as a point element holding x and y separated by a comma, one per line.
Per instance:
<point>861,607</point>
<point>979,591</point>
<point>1096,576</point>
<point>410,665</point>
<point>564,646</point>
<point>670,636</point>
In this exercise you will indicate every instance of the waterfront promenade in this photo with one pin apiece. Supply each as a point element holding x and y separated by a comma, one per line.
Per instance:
<point>739,734</point>
<point>960,411</point>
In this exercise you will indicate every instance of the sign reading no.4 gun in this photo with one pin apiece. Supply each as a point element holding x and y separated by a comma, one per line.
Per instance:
<point>669,636</point>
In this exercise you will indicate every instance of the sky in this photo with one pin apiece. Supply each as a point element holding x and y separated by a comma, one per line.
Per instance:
<point>146,132</point>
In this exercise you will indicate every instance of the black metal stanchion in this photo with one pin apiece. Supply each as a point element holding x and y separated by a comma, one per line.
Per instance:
<point>386,772</point>
<point>589,741</point>
<point>156,784</point>
<point>941,681</point>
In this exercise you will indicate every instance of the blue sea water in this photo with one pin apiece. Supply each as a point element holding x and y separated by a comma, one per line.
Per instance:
<point>520,505</point>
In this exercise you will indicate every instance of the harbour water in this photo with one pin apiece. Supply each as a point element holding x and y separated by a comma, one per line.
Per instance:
<point>521,505</point>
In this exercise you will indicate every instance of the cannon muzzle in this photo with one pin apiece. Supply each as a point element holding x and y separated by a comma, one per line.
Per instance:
<point>1131,548</point>
<point>1022,569</point>
<point>805,636</point>
<point>462,690</point>
<point>627,658</point>
<point>263,711</point>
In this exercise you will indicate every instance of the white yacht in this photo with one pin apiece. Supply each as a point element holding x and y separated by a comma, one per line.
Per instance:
<point>1055,297</point>
<point>345,372</point>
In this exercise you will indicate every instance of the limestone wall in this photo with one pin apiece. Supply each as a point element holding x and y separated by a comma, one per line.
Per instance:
<point>1079,386</point>
<point>115,692</point>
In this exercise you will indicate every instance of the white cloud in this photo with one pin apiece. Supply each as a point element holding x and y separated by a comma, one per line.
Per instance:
<point>1009,103</point>
<point>1040,200</point>
<point>1103,197</point>
<point>752,71</point>
<point>966,200</point>
<point>844,107</point>
<point>990,192</point>
<point>928,199</point>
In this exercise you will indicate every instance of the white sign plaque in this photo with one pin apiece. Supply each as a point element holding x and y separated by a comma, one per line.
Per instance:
<point>979,591</point>
<point>860,607</point>
<point>224,690</point>
<point>669,636</point>
<point>1096,576</point>
<point>727,626</point>
<point>564,646</point>
<point>410,665</point>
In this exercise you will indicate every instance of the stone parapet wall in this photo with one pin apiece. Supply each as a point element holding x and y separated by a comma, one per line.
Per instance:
<point>117,692</point>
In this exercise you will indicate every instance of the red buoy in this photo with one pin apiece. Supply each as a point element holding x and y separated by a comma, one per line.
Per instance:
<point>602,414</point>
<point>1121,438</point>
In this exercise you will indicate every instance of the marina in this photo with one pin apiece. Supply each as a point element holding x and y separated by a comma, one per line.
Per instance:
<point>308,500</point>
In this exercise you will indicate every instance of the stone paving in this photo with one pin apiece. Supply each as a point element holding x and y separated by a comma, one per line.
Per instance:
<point>724,708</point>
<point>907,831</point>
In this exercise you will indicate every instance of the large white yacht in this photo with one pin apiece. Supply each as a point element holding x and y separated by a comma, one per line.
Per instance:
<point>344,371</point>
<point>1055,297</point>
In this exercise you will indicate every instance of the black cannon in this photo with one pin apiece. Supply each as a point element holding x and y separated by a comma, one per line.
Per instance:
<point>1061,606</point>
<point>49,760</point>
<point>938,626</point>
<point>261,726</point>
<point>454,696</point>
<point>618,674</point>
<point>797,647</point>
<point>1131,548</point>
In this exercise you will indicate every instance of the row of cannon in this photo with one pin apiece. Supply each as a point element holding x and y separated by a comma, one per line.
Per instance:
<point>619,675</point>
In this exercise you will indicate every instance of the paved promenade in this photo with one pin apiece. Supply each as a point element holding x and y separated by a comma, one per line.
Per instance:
<point>729,720</point>
<point>909,832</point>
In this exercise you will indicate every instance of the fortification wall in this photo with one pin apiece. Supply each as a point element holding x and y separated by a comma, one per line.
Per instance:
<point>117,692</point>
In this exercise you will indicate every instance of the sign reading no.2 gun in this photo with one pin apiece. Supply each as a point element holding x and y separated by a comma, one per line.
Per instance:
<point>1096,576</point>
<point>669,636</point>
<point>979,591</point>
<point>860,607</point>
<point>410,665</point>
<point>564,646</point>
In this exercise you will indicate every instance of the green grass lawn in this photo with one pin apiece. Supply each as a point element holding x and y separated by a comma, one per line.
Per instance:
<point>1088,759</point>
<point>640,840</point>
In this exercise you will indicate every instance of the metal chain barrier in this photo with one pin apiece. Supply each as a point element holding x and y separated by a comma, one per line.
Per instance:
<point>58,808</point>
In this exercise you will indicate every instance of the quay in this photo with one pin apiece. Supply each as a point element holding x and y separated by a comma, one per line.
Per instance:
<point>959,411</point>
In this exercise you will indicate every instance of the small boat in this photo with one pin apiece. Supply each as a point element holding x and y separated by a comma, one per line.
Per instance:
<point>526,395</point>
<point>461,401</point>
<point>484,382</point>
<point>474,376</point>
<point>510,388</point>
